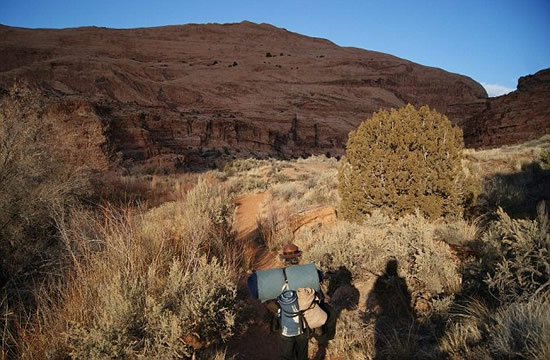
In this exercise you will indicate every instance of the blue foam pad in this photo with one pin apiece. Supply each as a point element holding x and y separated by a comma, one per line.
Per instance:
<point>272,281</point>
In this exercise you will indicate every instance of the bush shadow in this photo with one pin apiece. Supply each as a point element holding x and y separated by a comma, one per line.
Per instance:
<point>517,193</point>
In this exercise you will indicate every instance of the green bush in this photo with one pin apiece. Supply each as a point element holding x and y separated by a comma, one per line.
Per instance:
<point>400,161</point>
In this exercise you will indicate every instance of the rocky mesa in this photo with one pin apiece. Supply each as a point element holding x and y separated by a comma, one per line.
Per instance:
<point>182,97</point>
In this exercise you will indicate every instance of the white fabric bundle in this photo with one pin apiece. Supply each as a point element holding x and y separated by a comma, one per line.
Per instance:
<point>314,315</point>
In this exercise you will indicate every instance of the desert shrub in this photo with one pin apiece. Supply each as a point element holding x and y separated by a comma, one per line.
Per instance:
<point>318,159</point>
<point>545,160</point>
<point>278,177</point>
<point>215,354</point>
<point>354,337</point>
<point>36,184</point>
<point>119,322</point>
<point>400,161</point>
<point>517,256</point>
<point>517,192</point>
<point>244,184</point>
<point>197,307</point>
<point>473,185</point>
<point>143,283</point>
<point>166,316</point>
<point>377,220</point>
<point>429,267</point>
<point>244,165</point>
<point>287,191</point>
<point>466,334</point>
<point>433,270</point>
<point>274,227</point>
<point>520,331</point>
<point>200,223</point>
<point>513,331</point>
<point>322,190</point>
<point>207,218</point>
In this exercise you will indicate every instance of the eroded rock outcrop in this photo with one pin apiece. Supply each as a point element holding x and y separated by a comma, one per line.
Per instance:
<point>513,118</point>
<point>186,96</point>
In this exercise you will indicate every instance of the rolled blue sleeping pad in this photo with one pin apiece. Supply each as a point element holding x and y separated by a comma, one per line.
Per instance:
<point>290,321</point>
<point>303,276</point>
<point>271,282</point>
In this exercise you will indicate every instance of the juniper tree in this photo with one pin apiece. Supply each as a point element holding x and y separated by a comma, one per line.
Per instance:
<point>402,160</point>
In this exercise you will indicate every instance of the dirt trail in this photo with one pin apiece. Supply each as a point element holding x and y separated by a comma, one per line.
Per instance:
<point>257,342</point>
<point>249,208</point>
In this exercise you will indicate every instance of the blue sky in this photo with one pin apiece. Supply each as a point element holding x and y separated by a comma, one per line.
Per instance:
<point>494,42</point>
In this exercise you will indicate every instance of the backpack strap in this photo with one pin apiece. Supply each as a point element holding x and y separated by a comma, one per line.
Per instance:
<point>285,286</point>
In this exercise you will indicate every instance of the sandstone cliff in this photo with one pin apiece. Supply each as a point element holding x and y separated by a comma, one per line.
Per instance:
<point>513,118</point>
<point>184,96</point>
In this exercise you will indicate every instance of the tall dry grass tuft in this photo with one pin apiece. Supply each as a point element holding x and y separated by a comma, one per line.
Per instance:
<point>274,227</point>
<point>521,330</point>
<point>465,335</point>
<point>155,284</point>
<point>459,232</point>
<point>514,331</point>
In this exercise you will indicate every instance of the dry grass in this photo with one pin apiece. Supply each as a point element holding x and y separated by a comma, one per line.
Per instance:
<point>459,232</point>
<point>512,177</point>
<point>515,331</point>
<point>37,181</point>
<point>354,337</point>
<point>141,282</point>
<point>274,227</point>
<point>365,250</point>
<point>521,330</point>
<point>506,159</point>
<point>160,281</point>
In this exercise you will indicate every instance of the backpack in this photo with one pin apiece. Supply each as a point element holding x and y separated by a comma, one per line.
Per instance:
<point>311,313</point>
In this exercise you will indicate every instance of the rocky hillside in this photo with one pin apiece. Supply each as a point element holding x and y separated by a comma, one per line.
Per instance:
<point>193,95</point>
<point>514,118</point>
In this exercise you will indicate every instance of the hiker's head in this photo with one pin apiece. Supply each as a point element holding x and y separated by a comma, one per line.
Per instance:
<point>391,267</point>
<point>291,254</point>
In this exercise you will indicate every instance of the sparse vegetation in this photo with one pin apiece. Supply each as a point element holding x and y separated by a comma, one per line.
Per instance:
<point>159,283</point>
<point>36,184</point>
<point>159,278</point>
<point>516,257</point>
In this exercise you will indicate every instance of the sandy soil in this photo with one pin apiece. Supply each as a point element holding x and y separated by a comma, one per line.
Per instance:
<point>257,342</point>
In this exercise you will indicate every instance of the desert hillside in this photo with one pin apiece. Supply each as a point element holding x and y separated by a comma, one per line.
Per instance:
<point>178,96</point>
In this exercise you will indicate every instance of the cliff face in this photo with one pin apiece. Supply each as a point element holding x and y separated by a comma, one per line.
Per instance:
<point>514,118</point>
<point>178,96</point>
